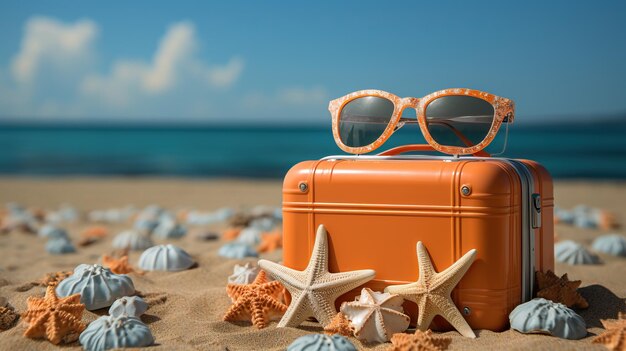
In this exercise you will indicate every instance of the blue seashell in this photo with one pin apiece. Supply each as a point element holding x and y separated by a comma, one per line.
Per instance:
<point>98,286</point>
<point>132,306</point>
<point>573,253</point>
<point>111,332</point>
<point>59,246</point>
<point>168,228</point>
<point>612,244</point>
<point>237,250</point>
<point>165,258</point>
<point>133,240</point>
<point>547,317</point>
<point>264,224</point>
<point>249,236</point>
<point>321,342</point>
<point>52,232</point>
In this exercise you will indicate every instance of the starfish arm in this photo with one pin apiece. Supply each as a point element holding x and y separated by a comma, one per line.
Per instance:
<point>323,307</point>
<point>407,291</point>
<point>425,266</point>
<point>451,276</point>
<point>257,312</point>
<point>299,309</point>
<point>234,312</point>
<point>343,282</point>
<point>290,278</point>
<point>75,310</point>
<point>36,327</point>
<point>318,263</point>
<point>426,312</point>
<point>449,311</point>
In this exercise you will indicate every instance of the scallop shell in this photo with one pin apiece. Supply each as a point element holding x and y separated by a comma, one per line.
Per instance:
<point>132,306</point>
<point>237,251</point>
<point>244,274</point>
<point>113,332</point>
<point>571,252</point>
<point>168,228</point>
<point>52,232</point>
<point>612,244</point>
<point>249,236</point>
<point>547,317</point>
<point>321,342</point>
<point>59,246</point>
<point>98,286</point>
<point>132,239</point>
<point>165,258</point>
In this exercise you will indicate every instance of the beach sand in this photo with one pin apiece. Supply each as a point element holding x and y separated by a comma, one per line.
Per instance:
<point>186,307</point>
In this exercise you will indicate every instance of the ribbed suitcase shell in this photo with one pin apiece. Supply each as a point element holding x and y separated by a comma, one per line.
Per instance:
<point>376,209</point>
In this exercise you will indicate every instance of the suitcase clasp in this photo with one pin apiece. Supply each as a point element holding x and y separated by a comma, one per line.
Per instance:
<point>536,210</point>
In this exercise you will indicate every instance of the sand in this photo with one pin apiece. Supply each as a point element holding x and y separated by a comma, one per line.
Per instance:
<point>186,307</point>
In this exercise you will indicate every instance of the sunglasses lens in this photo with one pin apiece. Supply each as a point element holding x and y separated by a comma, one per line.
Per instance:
<point>363,120</point>
<point>461,121</point>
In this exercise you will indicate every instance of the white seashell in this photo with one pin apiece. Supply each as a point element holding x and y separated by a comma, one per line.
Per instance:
<point>59,246</point>
<point>52,231</point>
<point>263,224</point>
<point>321,342</point>
<point>376,316</point>
<point>111,332</point>
<point>132,306</point>
<point>547,317</point>
<point>249,236</point>
<point>165,258</point>
<point>244,274</point>
<point>133,240</point>
<point>612,244</point>
<point>168,228</point>
<point>571,252</point>
<point>98,286</point>
<point>237,251</point>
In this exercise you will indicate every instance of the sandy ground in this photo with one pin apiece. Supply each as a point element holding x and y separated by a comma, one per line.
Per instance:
<point>186,307</point>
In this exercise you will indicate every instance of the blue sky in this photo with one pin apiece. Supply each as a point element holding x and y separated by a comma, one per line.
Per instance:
<point>276,61</point>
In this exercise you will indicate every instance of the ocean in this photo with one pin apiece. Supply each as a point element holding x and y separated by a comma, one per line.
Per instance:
<point>589,151</point>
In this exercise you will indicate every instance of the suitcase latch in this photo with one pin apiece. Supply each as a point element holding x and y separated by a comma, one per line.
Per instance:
<point>536,210</point>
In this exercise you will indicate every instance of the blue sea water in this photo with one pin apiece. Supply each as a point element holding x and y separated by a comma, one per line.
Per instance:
<point>576,151</point>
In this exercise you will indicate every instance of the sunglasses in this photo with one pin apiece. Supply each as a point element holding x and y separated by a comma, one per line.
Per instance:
<point>453,121</point>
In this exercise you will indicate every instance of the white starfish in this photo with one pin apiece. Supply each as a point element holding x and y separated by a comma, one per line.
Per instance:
<point>432,291</point>
<point>314,290</point>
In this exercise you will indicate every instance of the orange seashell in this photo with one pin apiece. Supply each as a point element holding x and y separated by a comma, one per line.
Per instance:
<point>231,233</point>
<point>95,231</point>
<point>270,241</point>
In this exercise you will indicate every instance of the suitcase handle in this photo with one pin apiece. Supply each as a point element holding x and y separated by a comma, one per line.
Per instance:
<point>421,147</point>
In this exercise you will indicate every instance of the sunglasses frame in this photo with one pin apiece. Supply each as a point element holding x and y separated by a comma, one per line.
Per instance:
<point>504,110</point>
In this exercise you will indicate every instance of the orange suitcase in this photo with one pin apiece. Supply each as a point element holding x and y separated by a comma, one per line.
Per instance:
<point>376,208</point>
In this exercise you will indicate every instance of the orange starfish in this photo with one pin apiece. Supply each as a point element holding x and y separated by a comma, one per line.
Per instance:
<point>53,279</point>
<point>94,231</point>
<point>118,265</point>
<point>420,341</point>
<point>270,241</point>
<point>53,318</point>
<point>614,338</point>
<point>339,325</point>
<point>551,287</point>
<point>257,301</point>
<point>231,233</point>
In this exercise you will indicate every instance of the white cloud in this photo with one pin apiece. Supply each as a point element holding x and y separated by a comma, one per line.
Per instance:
<point>48,40</point>
<point>173,66</point>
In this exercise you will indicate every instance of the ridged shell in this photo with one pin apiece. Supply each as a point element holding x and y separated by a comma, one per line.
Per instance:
<point>244,274</point>
<point>612,244</point>
<point>237,251</point>
<point>132,239</point>
<point>547,317</point>
<point>249,236</point>
<point>321,342</point>
<point>168,229</point>
<point>110,332</point>
<point>132,306</point>
<point>165,258</point>
<point>571,252</point>
<point>52,232</point>
<point>59,246</point>
<point>98,286</point>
